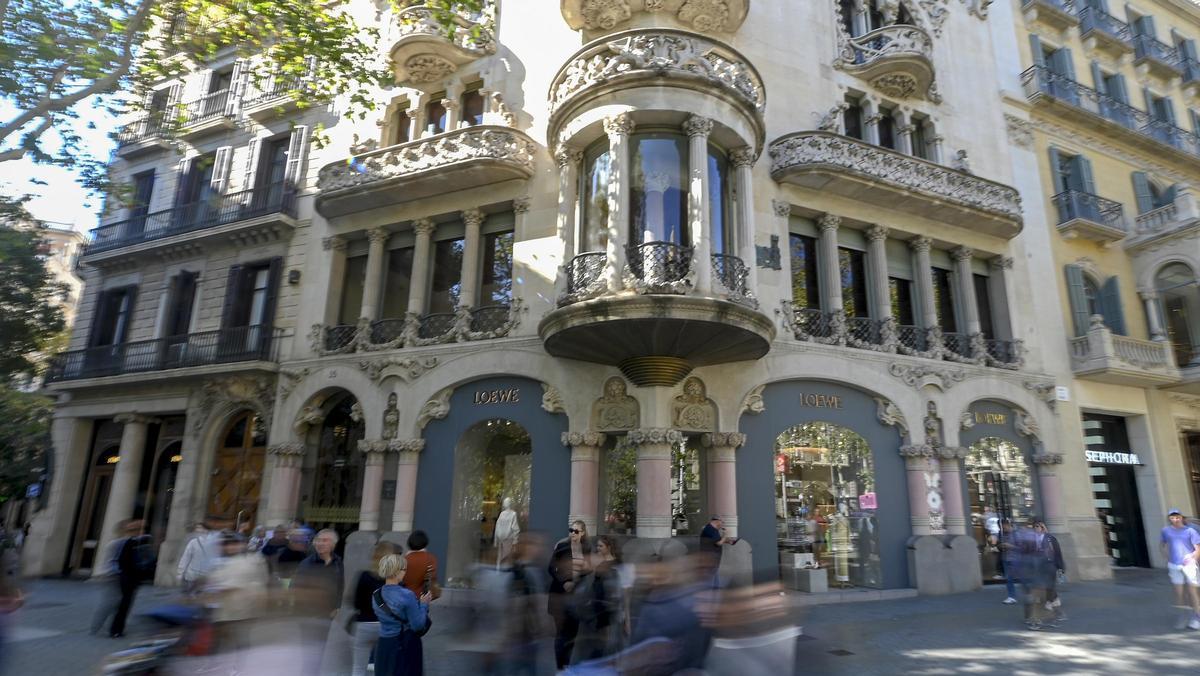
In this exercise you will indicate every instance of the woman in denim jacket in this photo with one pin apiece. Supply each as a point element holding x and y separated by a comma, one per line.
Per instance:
<point>400,615</point>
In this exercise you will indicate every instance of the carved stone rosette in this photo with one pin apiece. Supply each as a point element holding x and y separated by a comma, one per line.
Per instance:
<point>723,440</point>
<point>918,451</point>
<point>406,445</point>
<point>655,436</point>
<point>583,439</point>
<point>1047,458</point>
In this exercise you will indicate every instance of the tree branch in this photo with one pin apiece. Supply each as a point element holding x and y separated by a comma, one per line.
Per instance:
<point>49,104</point>
<point>28,141</point>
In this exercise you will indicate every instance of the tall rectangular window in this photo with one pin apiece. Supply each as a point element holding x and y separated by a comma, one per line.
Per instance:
<point>852,119</point>
<point>398,283</point>
<point>472,107</point>
<point>197,182</point>
<point>352,290</point>
<point>920,141</point>
<point>852,269</point>
<point>806,291</point>
<point>179,311</point>
<point>114,313</point>
<point>447,276</point>
<point>983,301</point>
<point>435,115</point>
<point>887,130</point>
<point>400,127</point>
<point>495,286</point>
<point>900,291</point>
<point>943,300</point>
<point>273,165</point>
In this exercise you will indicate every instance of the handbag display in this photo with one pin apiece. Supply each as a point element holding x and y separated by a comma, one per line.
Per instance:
<point>377,597</point>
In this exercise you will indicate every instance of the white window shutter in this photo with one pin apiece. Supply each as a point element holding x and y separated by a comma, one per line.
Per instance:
<point>237,87</point>
<point>297,150</point>
<point>220,175</point>
<point>251,164</point>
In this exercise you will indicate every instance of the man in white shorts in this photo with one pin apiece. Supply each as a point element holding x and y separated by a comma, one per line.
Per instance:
<point>1181,545</point>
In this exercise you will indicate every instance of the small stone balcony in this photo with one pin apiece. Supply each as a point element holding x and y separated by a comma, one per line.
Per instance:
<point>1082,214</point>
<point>1102,32</point>
<point>891,180</point>
<point>1106,357</point>
<point>1057,15</point>
<point>1157,57</point>
<point>464,324</point>
<point>1164,223</point>
<point>212,112</point>
<point>897,60</point>
<point>149,132</point>
<point>449,162</point>
<point>425,51</point>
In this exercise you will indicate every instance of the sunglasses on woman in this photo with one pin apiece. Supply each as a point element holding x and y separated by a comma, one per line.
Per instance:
<point>574,531</point>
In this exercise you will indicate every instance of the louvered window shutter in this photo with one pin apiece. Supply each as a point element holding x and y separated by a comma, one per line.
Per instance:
<point>1098,79</point>
<point>1078,299</point>
<point>1087,181</point>
<point>1114,316</point>
<point>1060,181</point>
<point>1118,90</point>
<point>251,164</point>
<point>237,88</point>
<point>1035,48</point>
<point>233,292</point>
<point>221,166</point>
<point>297,149</point>
<point>1141,190</point>
<point>182,178</point>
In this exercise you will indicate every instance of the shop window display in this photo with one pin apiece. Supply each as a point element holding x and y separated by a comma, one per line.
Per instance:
<point>1000,486</point>
<point>493,462</point>
<point>825,504</point>
<point>618,488</point>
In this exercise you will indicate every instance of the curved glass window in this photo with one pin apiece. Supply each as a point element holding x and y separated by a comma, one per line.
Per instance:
<point>658,189</point>
<point>718,187</point>
<point>999,486</point>
<point>593,231</point>
<point>825,503</point>
<point>1180,298</point>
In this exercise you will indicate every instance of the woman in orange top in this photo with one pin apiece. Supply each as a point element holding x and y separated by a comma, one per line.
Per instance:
<point>422,566</point>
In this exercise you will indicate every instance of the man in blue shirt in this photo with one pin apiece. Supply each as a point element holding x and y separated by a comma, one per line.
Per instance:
<point>1181,545</point>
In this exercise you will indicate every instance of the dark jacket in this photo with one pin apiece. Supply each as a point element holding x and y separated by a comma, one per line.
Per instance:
<point>670,613</point>
<point>561,568</point>
<point>368,582</point>
<point>321,583</point>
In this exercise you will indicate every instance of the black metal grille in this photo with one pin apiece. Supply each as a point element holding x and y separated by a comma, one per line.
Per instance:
<point>340,336</point>
<point>205,108</point>
<point>1091,19</point>
<point>732,272</point>
<point>865,330</point>
<point>213,211</point>
<point>436,325</point>
<point>244,343</point>
<point>489,318</point>
<point>958,343</point>
<point>1147,47</point>
<point>912,337</point>
<point>148,126</point>
<point>1074,204</point>
<point>386,330</point>
<point>584,270</point>
<point>659,262</point>
<point>814,323</point>
<point>277,88</point>
<point>1003,351</point>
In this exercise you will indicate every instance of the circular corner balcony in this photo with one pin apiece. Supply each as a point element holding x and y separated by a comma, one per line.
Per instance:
<point>897,60</point>
<point>658,69</point>
<point>656,326</point>
<point>890,180</point>
<point>426,51</point>
<point>448,162</point>
<point>705,16</point>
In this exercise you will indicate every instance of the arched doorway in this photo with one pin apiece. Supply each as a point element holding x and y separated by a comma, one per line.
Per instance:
<point>999,487</point>
<point>162,491</point>
<point>494,461</point>
<point>825,502</point>
<point>95,502</point>
<point>335,482</point>
<point>237,473</point>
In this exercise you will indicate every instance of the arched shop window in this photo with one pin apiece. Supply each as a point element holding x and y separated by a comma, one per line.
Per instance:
<point>825,503</point>
<point>492,461</point>
<point>999,486</point>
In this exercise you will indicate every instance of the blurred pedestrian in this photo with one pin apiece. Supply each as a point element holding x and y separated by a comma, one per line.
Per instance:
<point>669,612</point>
<point>288,560</point>
<point>1035,565</point>
<point>600,606</point>
<point>201,552</point>
<point>1181,546</point>
<point>421,568</point>
<point>365,627</point>
<point>1052,552</point>
<point>132,569</point>
<point>1007,555</point>
<point>401,615</point>
<point>712,538</point>
<point>319,577</point>
<point>256,540</point>
<point>568,563</point>
<point>235,587</point>
<point>525,623</point>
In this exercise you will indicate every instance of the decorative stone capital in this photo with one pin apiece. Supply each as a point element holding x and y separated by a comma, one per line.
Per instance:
<point>1047,458</point>
<point>619,125</point>
<point>697,126</point>
<point>378,236</point>
<point>366,446</point>
<point>424,227</point>
<point>406,445</point>
<point>952,452</point>
<point>289,448</point>
<point>918,451</point>
<point>961,254</point>
<point>888,413</point>
<point>655,436</point>
<point>521,204</point>
<point>135,419</point>
<point>743,157</point>
<point>473,218</point>
<point>723,440</point>
<point>334,243</point>
<point>567,156</point>
<point>449,104</point>
<point>1148,295</point>
<point>782,209</point>
<point>920,244</point>
<point>876,233</point>
<point>753,403</point>
<point>1001,263</point>
<point>829,222</point>
<point>583,439</point>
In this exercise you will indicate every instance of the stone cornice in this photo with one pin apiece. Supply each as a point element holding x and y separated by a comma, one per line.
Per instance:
<point>723,440</point>
<point>289,448</point>
<point>584,439</point>
<point>135,418</point>
<point>406,445</point>
<point>705,16</point>
<point>655,435</point>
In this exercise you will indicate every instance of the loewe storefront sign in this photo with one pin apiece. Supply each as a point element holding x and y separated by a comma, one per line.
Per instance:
<point>983,418</point>
<point>511,395</point>
<point>813,400</point>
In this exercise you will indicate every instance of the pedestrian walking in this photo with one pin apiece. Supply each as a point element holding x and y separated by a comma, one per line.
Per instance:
<point>1007,558</point>
<point>403,616</point>
<point>421,568</point>
<point>600,604</point>
<point>1035,571</point>
<point>365,626</point>
<point>1181,546</point>
<point>201,552</point>
<point>235,586</point>
<point>568,563</point>
<point>1051,551</point>
<point>133,566</point>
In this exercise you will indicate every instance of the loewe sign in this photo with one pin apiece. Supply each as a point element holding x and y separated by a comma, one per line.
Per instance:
<point>509,396</point>
<point>991,418</point>
<point>812,400</point>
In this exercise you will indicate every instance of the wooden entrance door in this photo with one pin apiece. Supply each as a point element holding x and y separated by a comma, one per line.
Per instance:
<point>95,502</point>
<point>237,471</point>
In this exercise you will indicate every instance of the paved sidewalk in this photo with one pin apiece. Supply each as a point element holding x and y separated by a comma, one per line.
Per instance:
<point>1119,627</point>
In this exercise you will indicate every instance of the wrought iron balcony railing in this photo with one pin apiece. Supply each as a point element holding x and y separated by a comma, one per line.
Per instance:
<point>1147,47</point>
<point>864,330</point>
<point>1092,19</point>
<point>584,272</point>
<point>957,344</point>
<point>732,273</point>
<point>464,324</point>
<point>224,346</point>
<point>912,338</point>
<point>1073,204</point>
<point>208,107</point>
<point>815,323</point>
<point>659,264</point>
<point>149,126</point>
<point>214,211</point>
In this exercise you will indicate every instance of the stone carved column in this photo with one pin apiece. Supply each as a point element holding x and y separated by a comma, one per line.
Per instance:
<point>654,446</point>
<point>1051,486</point>
<point>871,118</point>
<point>375,452</point>
<point>1153,319</point>
<point>831,280</point>
<point>568,160</point>
<point>453,113</point>
<point>722,476</point>
<point>409,455</point>
<point>418,293</point>
<point>699,219</point>
<point>783,218</point>
<point>618,128</point>
<point>952,492</point>
<point>336,269</point>
<point>877,262</point>
<point>283,501</point>
<point>966,288</point>
<point>373,282</point>
<point>904,138</point>
<point>123,494</point>
<point>923,274</point>
<point>585,476</point>
<point>999,294</point>
<point>469,286</point>
<point>743,175</point>
<point>919,465</point>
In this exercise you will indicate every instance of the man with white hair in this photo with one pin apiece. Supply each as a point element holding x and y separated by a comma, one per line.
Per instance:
<point>317,591</point>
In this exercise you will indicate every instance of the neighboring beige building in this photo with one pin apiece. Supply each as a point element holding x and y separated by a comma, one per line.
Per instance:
<point>1103,106</point>
<point>784,281</point>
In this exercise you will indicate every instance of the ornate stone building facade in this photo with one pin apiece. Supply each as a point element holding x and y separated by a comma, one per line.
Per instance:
<point>626,262</point>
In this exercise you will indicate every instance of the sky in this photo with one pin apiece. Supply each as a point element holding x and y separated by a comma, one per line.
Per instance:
<point>61,200</point>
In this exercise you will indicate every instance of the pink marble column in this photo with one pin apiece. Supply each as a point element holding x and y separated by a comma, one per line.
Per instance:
<point>409,455</point>
<point>1048,481</point>
<point>722,476</point>
<point>368,511</point>
<point>919,464</point>
<point>952,496</point>
<point>654,479</point>
<point>284,497</point>
<point>585,476</point>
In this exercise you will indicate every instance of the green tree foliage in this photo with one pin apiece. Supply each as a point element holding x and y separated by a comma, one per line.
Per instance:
<point>24,438</point>
<point>29,314</point>
<point>59,55</point>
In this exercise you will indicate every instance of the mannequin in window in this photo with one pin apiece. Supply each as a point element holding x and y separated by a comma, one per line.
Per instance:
<point>839,543</point>
<point>506,533</point>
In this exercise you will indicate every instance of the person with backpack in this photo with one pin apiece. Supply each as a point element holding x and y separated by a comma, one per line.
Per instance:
<point>134,565</point>
<point>403,619</point>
